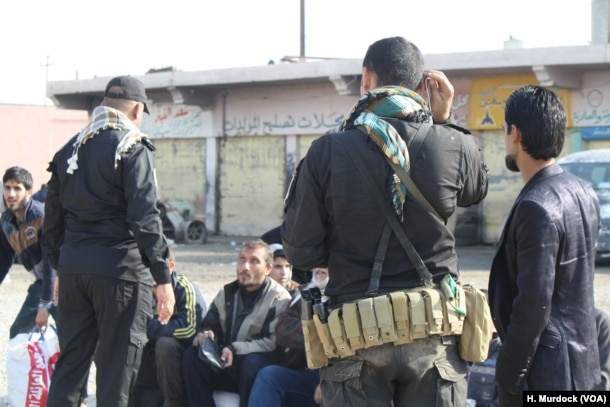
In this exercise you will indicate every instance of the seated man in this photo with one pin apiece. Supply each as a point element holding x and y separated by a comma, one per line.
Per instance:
<point>159,380</point>
<point>282,270</point>
<point>242,321</point>
<point>273,238</point>
<point>289,383</point>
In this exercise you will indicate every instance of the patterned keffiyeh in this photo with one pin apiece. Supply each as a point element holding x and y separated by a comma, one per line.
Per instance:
<point>104,118</point>
<point>368,115</point>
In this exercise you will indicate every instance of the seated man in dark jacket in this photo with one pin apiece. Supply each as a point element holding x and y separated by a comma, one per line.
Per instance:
<point>242,320</point>
<point>160,376</point>
<point>289,383</point>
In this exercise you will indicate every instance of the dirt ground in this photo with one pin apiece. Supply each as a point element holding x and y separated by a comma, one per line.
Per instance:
<point>209,266</point>
<point>213,264</point>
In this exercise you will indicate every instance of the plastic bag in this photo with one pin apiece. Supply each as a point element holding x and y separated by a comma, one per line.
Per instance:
<point>30,363</point>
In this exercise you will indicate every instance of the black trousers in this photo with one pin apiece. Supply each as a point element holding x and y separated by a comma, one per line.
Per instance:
<point>200,380</point>
<point>160,370</point>
<point>105,317</point>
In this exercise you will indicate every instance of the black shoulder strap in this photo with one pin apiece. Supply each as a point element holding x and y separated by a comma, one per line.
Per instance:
<point>414,147</point>
<point>393,223</point>
<point>419,138</point>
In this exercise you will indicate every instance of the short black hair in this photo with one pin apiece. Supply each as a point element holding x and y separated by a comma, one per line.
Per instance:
<point>539,114</point>
<point>20,175</point>
<point>395,61</point>
<point>279,253</point>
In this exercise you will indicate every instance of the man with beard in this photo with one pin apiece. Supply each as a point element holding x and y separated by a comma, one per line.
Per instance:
<point>22,237</point>
<point>541,281</point>
<point>241,320</point>
<point>333,220</point>
<point>288,382</point>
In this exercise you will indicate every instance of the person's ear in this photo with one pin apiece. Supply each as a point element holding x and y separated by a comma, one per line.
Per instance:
<point>514,133</point>
<point>421,89</point>
<point>369,81</point>
<point>139,110</point>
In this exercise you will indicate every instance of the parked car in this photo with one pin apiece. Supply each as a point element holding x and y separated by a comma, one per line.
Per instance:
<point>594,167</point>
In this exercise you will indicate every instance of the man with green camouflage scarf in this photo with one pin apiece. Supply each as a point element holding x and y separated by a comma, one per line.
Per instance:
<point>333,220</point>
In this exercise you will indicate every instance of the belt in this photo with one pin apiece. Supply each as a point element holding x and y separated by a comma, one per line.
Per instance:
<point>336,301</point>
<point>399,317</point>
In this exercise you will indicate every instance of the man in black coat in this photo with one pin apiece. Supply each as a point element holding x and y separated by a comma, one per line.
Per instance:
<point>541,281</point>
<point>105,239</point>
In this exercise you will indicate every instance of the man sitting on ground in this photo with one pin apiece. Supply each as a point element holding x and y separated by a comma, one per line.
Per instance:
<point>282,270</point>
<point>242,320</point>
<point>290,383</point>
<point>160,376</point>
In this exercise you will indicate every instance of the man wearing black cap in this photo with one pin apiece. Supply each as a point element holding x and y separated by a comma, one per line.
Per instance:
<point>126,87</point>
<point>105,239</point>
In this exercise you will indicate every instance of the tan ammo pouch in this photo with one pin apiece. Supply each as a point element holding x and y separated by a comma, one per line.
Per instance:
<point>351,323</point>
<point>370,331</point>
<point>338,334</point>
<point>399,317</point>
<point>314,351</point>
<point>325,337</point>
<point>477,330</point>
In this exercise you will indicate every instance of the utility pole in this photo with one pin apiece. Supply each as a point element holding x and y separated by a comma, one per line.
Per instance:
<point>46,78</point>
<point>302,55</point>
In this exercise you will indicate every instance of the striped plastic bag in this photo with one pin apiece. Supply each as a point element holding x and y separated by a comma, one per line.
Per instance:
<point>30,363</point>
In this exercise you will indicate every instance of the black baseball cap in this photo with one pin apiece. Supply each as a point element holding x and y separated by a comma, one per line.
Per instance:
<point>130,89</point>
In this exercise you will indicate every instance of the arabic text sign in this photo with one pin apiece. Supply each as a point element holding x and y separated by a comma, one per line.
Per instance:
<point>591,107</point>
<point>279,124</point>
<point>177,121</point>
<point>595,133</point>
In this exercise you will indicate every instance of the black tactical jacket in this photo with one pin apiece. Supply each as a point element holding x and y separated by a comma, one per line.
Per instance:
<point>333,220</point>
<point>102,220</point>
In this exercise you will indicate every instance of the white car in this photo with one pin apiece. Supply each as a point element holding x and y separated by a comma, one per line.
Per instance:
<point>594,167</point>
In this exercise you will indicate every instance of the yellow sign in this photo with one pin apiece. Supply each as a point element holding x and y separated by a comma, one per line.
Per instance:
<point>488,96</point>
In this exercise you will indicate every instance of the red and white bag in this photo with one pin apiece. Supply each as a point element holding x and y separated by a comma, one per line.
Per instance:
<point>30,363</point>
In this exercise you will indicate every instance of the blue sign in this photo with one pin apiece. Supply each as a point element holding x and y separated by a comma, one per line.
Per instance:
<point>595,133</point>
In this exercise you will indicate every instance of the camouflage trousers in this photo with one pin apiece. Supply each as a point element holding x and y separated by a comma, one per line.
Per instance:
<point>427,372</point>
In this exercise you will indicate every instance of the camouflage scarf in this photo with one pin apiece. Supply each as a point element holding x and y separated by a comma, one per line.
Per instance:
<point>369,116</point>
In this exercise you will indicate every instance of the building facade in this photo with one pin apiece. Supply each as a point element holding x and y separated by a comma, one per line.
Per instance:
<point>229,140</point>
